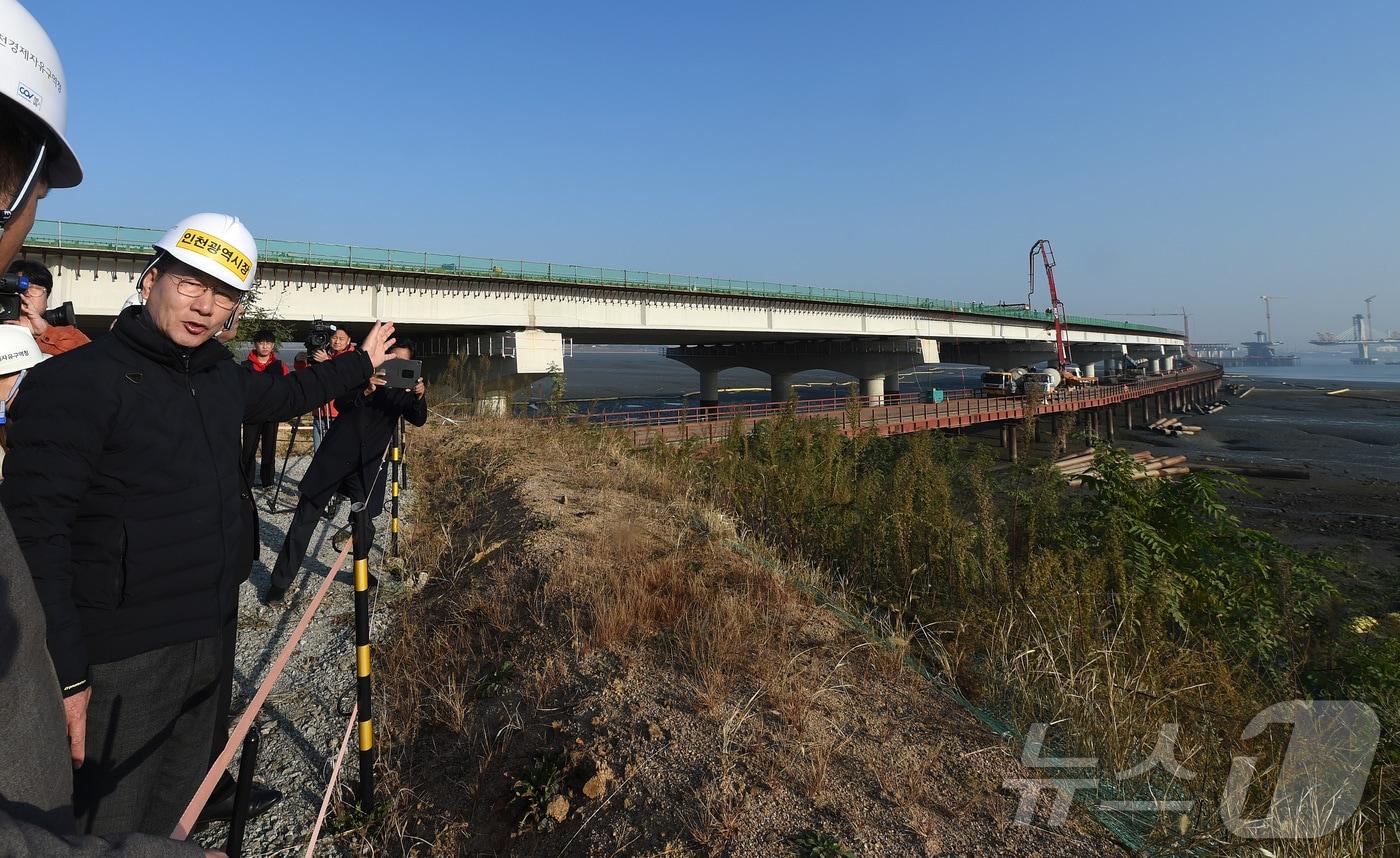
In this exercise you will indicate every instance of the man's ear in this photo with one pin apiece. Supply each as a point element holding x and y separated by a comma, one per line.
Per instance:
<point>147,281</point>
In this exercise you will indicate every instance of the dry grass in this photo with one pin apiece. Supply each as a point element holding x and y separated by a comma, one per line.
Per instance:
<point>645,633</point>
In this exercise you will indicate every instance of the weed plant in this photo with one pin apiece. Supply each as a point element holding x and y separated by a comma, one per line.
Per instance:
<point>1109,611</point>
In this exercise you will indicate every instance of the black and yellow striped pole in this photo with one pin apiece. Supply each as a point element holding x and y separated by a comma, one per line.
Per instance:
<point>403,454</point>
<point>362,670</point>
<point>395,462</point>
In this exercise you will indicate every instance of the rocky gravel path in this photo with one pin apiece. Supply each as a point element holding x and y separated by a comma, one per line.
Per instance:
<point>304,718</point>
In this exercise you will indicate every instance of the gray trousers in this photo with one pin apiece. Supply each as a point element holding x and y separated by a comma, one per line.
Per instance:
<point>150,723</point>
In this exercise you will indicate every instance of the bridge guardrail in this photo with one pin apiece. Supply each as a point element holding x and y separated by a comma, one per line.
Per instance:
<point>86,236</point>
<point>891,408</point>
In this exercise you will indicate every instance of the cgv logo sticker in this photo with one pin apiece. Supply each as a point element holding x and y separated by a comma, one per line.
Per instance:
<point>30,96</point>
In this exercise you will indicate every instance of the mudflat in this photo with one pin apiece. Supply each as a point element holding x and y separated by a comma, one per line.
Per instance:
<point>1349,442</point>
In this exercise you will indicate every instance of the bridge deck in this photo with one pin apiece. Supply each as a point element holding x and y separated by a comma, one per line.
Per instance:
<point>85,238</point>
<point>898,414</point>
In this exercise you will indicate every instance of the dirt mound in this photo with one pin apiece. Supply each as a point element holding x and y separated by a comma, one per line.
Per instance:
<point>600,665</point>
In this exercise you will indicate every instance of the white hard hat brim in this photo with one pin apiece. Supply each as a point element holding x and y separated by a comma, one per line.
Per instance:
<point>64,169</point>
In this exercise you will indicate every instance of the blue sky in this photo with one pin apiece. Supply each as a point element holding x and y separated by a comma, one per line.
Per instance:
<point>1195,154</point>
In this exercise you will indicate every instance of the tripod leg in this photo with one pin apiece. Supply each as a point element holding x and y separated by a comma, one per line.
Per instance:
<point>272,502</point>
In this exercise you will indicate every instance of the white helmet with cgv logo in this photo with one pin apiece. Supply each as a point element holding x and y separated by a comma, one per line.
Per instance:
<point>31,76</point>
<point>217,244</point>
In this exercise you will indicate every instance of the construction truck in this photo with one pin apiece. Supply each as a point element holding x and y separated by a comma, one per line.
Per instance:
<point>1073,376</point>
<point>999,382</point>
<point>1043,383</point>
<point>1130,370</point>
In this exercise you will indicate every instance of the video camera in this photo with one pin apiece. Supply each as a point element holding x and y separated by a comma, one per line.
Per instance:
<point>13,286</point>
<point>319,338</point>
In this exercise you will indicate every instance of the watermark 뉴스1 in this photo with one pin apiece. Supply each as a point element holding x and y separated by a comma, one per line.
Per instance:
<point>1319,785</point>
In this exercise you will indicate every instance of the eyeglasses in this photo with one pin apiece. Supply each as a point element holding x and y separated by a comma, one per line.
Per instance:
<point>192,287</point>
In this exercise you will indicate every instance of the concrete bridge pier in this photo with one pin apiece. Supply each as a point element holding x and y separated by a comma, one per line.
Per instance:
<point>492,368</point>
<point>709,387</point>
<point>874,361</point>
<point>780,386</point>
<point>1089,356</point>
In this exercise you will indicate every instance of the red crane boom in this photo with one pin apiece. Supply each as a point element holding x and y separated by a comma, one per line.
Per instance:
<point>1057,308</point>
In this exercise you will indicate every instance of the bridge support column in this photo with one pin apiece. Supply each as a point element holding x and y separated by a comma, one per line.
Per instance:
<point>1012,440</point>
<point>873,389</point>
<point>1128,414</point>
<point>709,388</point>
<point>892,383</point>
<point>492,368</point>
<point>780,386</point>
<point>1108,423</point>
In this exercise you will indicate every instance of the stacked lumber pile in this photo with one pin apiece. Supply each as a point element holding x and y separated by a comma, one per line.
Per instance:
<point>1172,426</point>
<point>1076,467</point>
<point>1209,408</point>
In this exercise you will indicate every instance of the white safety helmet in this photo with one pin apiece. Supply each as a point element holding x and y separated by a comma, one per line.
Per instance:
<point>18,349</point>
<point>31,76</point>
<point>217,244</point>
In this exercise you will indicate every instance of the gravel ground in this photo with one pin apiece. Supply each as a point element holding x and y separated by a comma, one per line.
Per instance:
<point>304,718</point>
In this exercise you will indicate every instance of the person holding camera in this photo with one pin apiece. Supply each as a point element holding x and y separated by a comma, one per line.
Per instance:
<point>54,336</point>
<point>129,506</point>
<point>263,358</point>
<point>350,462</point>
<point>326,341</point>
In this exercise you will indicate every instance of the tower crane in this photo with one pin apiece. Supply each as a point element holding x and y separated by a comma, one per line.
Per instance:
<point>1268,316</point>
<point>1057,308</point>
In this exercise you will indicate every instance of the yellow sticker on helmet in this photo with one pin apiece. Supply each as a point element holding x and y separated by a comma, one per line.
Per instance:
<point>226,255</point>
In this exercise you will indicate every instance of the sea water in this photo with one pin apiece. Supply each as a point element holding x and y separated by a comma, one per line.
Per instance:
<point>1330,368</point>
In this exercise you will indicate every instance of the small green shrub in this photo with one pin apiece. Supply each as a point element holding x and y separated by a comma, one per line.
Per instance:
<point>821,844</point>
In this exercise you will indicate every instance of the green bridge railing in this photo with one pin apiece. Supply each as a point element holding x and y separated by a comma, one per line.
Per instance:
<point>88,236</point>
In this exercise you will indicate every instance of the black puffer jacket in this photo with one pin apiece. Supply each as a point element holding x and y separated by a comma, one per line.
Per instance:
<point>356,442</point>
<point>124,487</point>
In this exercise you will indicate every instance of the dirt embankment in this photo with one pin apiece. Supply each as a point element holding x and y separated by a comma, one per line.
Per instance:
<point>600,665</point>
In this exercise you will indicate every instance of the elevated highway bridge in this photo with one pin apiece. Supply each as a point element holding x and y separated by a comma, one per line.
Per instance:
<point>519,315</point>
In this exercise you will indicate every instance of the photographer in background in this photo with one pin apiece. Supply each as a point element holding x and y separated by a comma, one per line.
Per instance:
<point>34,303</point>
<point>263,358</point>
<point>350,462</point>
<point>337,344</point>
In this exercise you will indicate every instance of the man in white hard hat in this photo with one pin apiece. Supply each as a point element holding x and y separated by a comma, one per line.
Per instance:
<point>36,783</point>
<point>19,351</point>
<point>129,503</point>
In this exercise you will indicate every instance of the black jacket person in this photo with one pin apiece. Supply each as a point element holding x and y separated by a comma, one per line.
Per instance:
<point>351,462</point>
<point>124,488</point>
